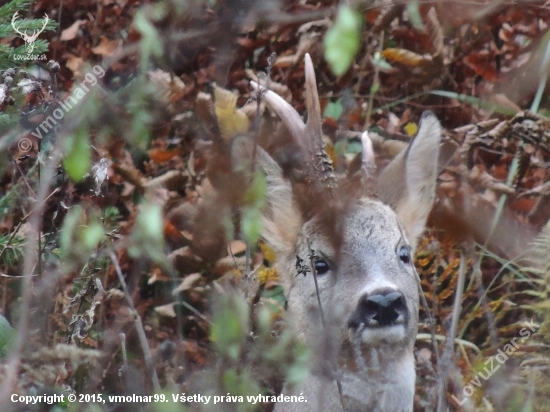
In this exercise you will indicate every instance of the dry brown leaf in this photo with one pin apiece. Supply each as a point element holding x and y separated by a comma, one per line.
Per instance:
<point>130,174</point>
<point>540,190</point>
<point>231,120</point>
<point>166,310</point>
<point>74,64</point>
<point>70,32</point>
<point>171,180</point>
<point>436,37</point>
<point>503,101</point>
<point>187,283</point>
<point>406,57</point>
<point>184,260</point>
<point>483,179</point>
<point>169,88</point>
<point>106,47</point>
<point>236,247</point>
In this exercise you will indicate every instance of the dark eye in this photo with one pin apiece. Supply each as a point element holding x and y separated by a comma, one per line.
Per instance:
<point>321,267</point>
<point>405,254</point>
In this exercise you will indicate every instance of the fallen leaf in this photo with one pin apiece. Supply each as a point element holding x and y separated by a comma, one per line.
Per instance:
<point>187,283</point>
<point>166,310</point>
<point>170,88</point>
<point>163,155</point>
<point>106,47</point>
<point>236,247</point>
<point>406,57</point>
<point>70,32</point>
<point>75,64</point>
<point>230,119</point>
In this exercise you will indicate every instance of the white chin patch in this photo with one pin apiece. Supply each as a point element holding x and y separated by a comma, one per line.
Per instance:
<point>395,333</point>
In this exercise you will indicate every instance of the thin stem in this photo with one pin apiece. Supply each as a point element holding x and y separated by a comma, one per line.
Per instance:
<point>139,325</point>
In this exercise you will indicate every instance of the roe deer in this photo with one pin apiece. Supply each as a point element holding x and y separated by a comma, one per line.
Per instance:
<point>362,322</point>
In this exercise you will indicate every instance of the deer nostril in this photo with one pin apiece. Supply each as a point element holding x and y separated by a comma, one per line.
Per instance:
<point>380,309</point>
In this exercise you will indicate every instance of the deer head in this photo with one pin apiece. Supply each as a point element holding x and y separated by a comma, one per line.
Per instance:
<point>29,39</point>
<point>361,319</point>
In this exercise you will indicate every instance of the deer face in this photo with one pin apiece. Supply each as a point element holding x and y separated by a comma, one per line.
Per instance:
<point>367,283</point>
<point>357,304</point>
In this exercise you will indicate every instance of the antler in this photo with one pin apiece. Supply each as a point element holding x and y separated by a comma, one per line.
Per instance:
<point>309,137</point>
<point>46,20</point>
<point>368,164</point>
<point>13,20</point>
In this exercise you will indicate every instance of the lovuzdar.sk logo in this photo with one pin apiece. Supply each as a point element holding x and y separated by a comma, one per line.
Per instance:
<point>29,38</point>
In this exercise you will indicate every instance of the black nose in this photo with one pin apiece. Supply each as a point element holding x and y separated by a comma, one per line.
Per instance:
<point>381,308</point>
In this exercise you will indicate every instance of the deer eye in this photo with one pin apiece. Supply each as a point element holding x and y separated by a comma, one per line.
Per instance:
<point>321,267</point>
<point>405,254</point>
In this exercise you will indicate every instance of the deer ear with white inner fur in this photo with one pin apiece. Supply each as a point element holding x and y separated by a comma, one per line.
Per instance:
<point>407,184</point>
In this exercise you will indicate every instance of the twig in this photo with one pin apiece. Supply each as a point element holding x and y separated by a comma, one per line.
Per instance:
<point>445,363</point>
<point>138,325</point>
<point>13,362</point>
<point>374,83</point>
<point>312,256</point>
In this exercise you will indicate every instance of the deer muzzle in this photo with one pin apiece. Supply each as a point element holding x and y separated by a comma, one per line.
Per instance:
<point>380,309</point>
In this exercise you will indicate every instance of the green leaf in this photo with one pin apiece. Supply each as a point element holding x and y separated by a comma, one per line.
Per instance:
<point>78,157</point>
<point>7,336</point>
<point>254,198</point>
<point>255,194</point>
<point>379,61</point>
<point>92,235</point>
<point>414,15</point>
<point>151,43</point>
<point>251,224</point>
<point>230,325</point>
<point>149,223</point>
<point>343,39</point>
<point>334,109</point>
<point>74,217</point>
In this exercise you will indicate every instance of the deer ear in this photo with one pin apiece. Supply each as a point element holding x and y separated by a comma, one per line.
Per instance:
<point>407,184</point>
<point>282,219</point>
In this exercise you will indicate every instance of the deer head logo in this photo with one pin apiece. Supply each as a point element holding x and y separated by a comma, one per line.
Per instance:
<point>29,39</point>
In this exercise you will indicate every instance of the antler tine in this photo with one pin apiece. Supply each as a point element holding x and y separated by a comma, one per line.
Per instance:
<point>46,20</point>
<point>317,153</point>
<point>314,121</point>
<point>286,113</point>
<point>308,137</point>
<point>368,163</point>
<point>13,20</point>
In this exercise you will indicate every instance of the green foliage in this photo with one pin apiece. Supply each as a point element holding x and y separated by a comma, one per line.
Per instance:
<point>111,218</point>
<point>12,249</point>
<point>250,353</point>
<point>254,198</point>
<point>230,325</point>
<point>414,15</point>
<point>147,238</point>
<point>148,227</point>
<point>334,109</point>
<point>343,39</point>
<point>151,43</point>
<point>78,157</point>
<point>379,61</point>
<point>7,336</point>
<point>80,235</point>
